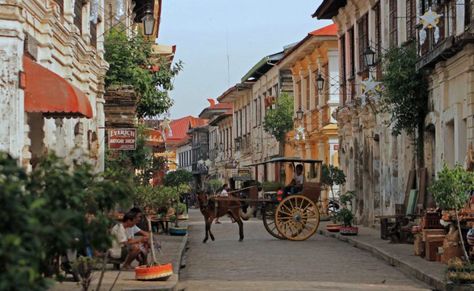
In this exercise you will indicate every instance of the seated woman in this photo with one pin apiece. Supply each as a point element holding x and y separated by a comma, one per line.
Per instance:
<point>296,184</point>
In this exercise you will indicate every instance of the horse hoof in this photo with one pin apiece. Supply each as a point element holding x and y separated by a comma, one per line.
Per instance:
<point>241,240</point>
<point>204,241</point>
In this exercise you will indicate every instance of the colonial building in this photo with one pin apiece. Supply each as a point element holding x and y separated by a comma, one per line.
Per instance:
<point>212,113</point>
<point>376,163</point>
<point>314,63</point>
<point>267,81</point>
<point>237,138</point>
<point>448,56</point>
<point>178,140</point>
<point>52,80</point>
<point>221,153</point>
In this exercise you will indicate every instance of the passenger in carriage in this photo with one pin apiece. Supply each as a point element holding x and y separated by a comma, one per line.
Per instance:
<point>296,184</point>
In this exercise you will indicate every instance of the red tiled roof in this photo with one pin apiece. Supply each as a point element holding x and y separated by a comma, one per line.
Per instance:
<point>324,31</point>
<point>329,30</point>
<point>180,127</point>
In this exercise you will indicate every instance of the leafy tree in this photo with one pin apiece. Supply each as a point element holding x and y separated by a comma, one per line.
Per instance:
<point>451,190</point>
<point>279,121</point>
<point>129,64</point>
<point>44,214</point>
<point>405,95</point>
<point>179,179</point>
<point>21,251</point>
<point>332,176</point>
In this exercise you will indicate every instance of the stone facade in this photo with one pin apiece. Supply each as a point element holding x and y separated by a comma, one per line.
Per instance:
<point>377,163</point>
<point>265,91</point>
<point>67,40</point>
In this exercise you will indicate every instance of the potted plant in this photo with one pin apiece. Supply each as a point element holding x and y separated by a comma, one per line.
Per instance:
<point>346,199</point>
<point>346,217</point>
<point>451,192</point>
<point>332,176</point>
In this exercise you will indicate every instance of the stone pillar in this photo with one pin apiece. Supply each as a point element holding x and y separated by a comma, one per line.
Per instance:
<point>11,96</point>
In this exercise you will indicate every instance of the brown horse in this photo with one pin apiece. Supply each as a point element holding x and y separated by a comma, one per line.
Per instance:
<point>212,208</point>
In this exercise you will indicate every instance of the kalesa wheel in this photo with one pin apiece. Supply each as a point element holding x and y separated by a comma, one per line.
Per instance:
<point>268,217</point>
<point>297,217</point>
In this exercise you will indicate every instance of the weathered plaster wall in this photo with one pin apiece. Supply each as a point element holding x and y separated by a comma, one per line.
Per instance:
<point>12,127</point>
<point>56,43</point>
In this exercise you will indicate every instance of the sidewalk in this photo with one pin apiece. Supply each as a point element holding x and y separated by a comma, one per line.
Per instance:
<point>398,255</point>
<point>172,250</point>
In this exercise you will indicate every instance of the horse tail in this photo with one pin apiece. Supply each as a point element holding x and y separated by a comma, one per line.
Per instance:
<point>248,214</point>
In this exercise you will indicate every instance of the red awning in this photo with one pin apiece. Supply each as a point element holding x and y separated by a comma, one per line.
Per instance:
<point>49,93</point>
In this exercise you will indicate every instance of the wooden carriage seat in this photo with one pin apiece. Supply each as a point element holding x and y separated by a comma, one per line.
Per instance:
<point>311,190</point>
<point>253,192</point>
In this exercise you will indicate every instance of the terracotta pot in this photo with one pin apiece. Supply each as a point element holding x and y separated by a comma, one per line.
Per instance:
<point>349,230</point>
<point>333,227</point>
<point>161,272</point>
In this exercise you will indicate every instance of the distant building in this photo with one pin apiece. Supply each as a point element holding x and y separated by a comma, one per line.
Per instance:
<point>215,133</point>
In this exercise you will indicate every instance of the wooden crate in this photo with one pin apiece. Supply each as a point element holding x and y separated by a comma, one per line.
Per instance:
<point>432,244</point>
<point>430,232</point>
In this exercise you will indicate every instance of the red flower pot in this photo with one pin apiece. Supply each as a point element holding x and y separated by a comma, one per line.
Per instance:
<point>349,230</point>
<point>333,227</point>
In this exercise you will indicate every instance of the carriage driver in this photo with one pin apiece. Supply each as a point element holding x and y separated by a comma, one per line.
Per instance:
<point>296,184</point>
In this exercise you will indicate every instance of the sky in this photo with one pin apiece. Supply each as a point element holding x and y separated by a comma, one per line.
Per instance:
<point>219,41</point>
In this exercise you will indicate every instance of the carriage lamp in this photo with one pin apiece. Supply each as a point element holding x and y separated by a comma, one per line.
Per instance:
<point>148,21</point>
<point>320,83</point>
<point>369,57</point>
<point>299,114</point>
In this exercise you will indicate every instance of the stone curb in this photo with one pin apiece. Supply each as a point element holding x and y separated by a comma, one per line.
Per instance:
<point>393,260</point>
<point>175,277</point>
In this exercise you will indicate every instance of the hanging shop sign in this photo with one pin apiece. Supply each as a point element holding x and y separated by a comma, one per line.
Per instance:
<point>124,139</point>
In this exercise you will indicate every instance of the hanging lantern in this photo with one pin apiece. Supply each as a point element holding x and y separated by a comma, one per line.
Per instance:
<point>369,57</point>
<point>299,114</point>
<point>320,83</point>
<point>148,21</point>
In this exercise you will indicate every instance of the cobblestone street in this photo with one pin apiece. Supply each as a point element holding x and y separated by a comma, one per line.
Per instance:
<point>262,262</point>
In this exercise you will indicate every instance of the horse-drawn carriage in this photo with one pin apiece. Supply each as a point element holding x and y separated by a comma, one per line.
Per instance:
<point>285,216</point>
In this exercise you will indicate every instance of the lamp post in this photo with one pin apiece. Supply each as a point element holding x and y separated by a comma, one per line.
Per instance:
<point>320,83</point>
<point>369,57</point>
<point>299,114</point>
<point>148,21</point>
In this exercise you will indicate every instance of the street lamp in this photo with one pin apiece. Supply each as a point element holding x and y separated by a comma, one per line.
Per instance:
<point>299,114</point>
<point>320,83</point>
<point>369,57</point>
<point>148,21</point>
